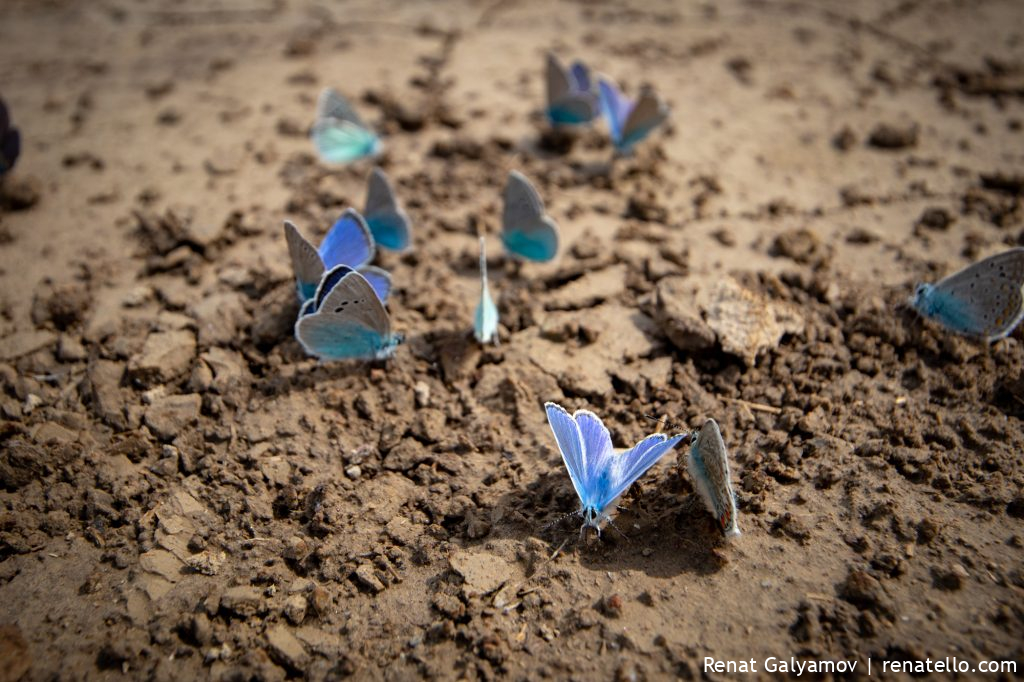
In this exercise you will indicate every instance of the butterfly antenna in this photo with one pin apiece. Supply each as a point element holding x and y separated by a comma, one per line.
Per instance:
<point>664,422</point>
<point>612,524</point>
<point>561,518</point>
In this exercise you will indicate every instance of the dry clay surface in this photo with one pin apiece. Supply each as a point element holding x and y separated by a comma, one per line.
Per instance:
<point>184,494</point>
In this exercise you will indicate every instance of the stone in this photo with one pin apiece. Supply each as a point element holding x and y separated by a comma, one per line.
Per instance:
<point>285,648</point>
<point>481,573</point>
<point>219,317</point>
<point>242,600</point>
<point>676,312</point>
<point>367,579</point>
<point>295,608</point>
<point>170,415</point>
<point>165,356</point>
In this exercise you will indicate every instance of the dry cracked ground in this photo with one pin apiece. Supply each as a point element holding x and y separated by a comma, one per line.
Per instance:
<point>184,494</point>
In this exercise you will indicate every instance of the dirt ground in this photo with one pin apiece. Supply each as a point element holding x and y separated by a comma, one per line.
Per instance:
<point>184,494</point>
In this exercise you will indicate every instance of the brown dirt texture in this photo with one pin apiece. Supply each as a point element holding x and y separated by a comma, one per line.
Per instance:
<point>185,495</point>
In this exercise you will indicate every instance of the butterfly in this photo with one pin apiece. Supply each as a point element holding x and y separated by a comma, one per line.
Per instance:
<point>339,135</point>
<point>345,320</point>
<point>525,229</point>
<point>708,464</point>
<point>385,218</point>
<point>630,122</point>
<point>348,242</point>
<point>983,300</point>
<point>571,97</point>
<point>598,473</point>
<point>485,321</point>
<point>10,141</point>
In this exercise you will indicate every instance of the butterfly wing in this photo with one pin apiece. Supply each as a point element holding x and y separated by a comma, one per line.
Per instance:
<point>580,75</point>
<point>526,231</point>
<point>339,141</point>
<point>708,464</point>
<point>648,114</point>
<point>570,444</point>
<point>379,280</point>
<point>485,320</point>
<point>348,321</point>
<point>348,242</point>
<point>306,262</point>
<point>983,299</point>
<point>556,79</point>
<point>627,467</point>
<point>615,106</point>
<point>385,218</point>
<point>332,105</point>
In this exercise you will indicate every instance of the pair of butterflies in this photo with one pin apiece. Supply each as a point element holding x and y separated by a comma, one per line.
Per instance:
<point>10,141</point>
<point>600,475</point>
<point>984,300</point>
<point>352,240</point>
<point>574,99</point>
<point>342,295</point>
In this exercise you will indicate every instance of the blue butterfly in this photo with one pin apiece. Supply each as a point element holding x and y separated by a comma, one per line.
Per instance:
<point>598,473</point>
<point>630,122</point>
<point>708,464</point>
<point>339,135</point>
<point>983,300</point>
<point>571,96</point>
<point>345,320</point>
<point>348,242</point>
<point>526,231</point>
<point>385,218</point>
<point>485,320</point>
<point>10,141</point>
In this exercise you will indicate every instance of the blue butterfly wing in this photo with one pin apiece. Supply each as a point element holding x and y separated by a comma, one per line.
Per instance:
<point>339,141</point>
<point>570,444</point>
<point>379,279</point>
<point>597,444</point>
<point>615,107</point>
<point>579,75</point>
<point>525,230</point>
<point>573,109</point>
<point>345,320</point>
<point>632,464</point>
<point>485,319</point>
<point>385,218</point>
<point>647,115</point>
<point>983,299</point>
<point>348,242</point>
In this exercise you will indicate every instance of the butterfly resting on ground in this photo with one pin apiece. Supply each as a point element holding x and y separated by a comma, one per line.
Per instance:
<point>598,473</point>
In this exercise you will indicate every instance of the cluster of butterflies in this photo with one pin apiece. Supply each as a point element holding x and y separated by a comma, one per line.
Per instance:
<point>600,475</point>
<point>342,296</point>
<point>10,141</point>
<point>574,98</point>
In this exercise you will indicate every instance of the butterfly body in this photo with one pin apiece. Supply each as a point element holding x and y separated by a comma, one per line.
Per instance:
<point>984,300</point>
<point>338,133</point>
<point>708,465</point>
<point>387,221</point>
<point>570,93</point>
<point>345,320</point>
<point>485,319</point>
<point>599,474</point>
<point>526,231</point>
<point>348,242</point>
<point>630,122</point>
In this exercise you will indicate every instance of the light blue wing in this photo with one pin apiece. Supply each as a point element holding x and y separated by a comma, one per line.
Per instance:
<point>348,321</point>
<point>630,465</point>
<point>575,109</point>
<point>339,141</point>
<point>379,279</point>
<point>348,242</point>
<point>568,103</point>
<point>648,114</point>
<point>306,262</point>
<point>485,320</point>
<point>526,231</point>
<point>615,106</point>
<point>570,444</point>
<point>983,299</point>
<point>385,218</point>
